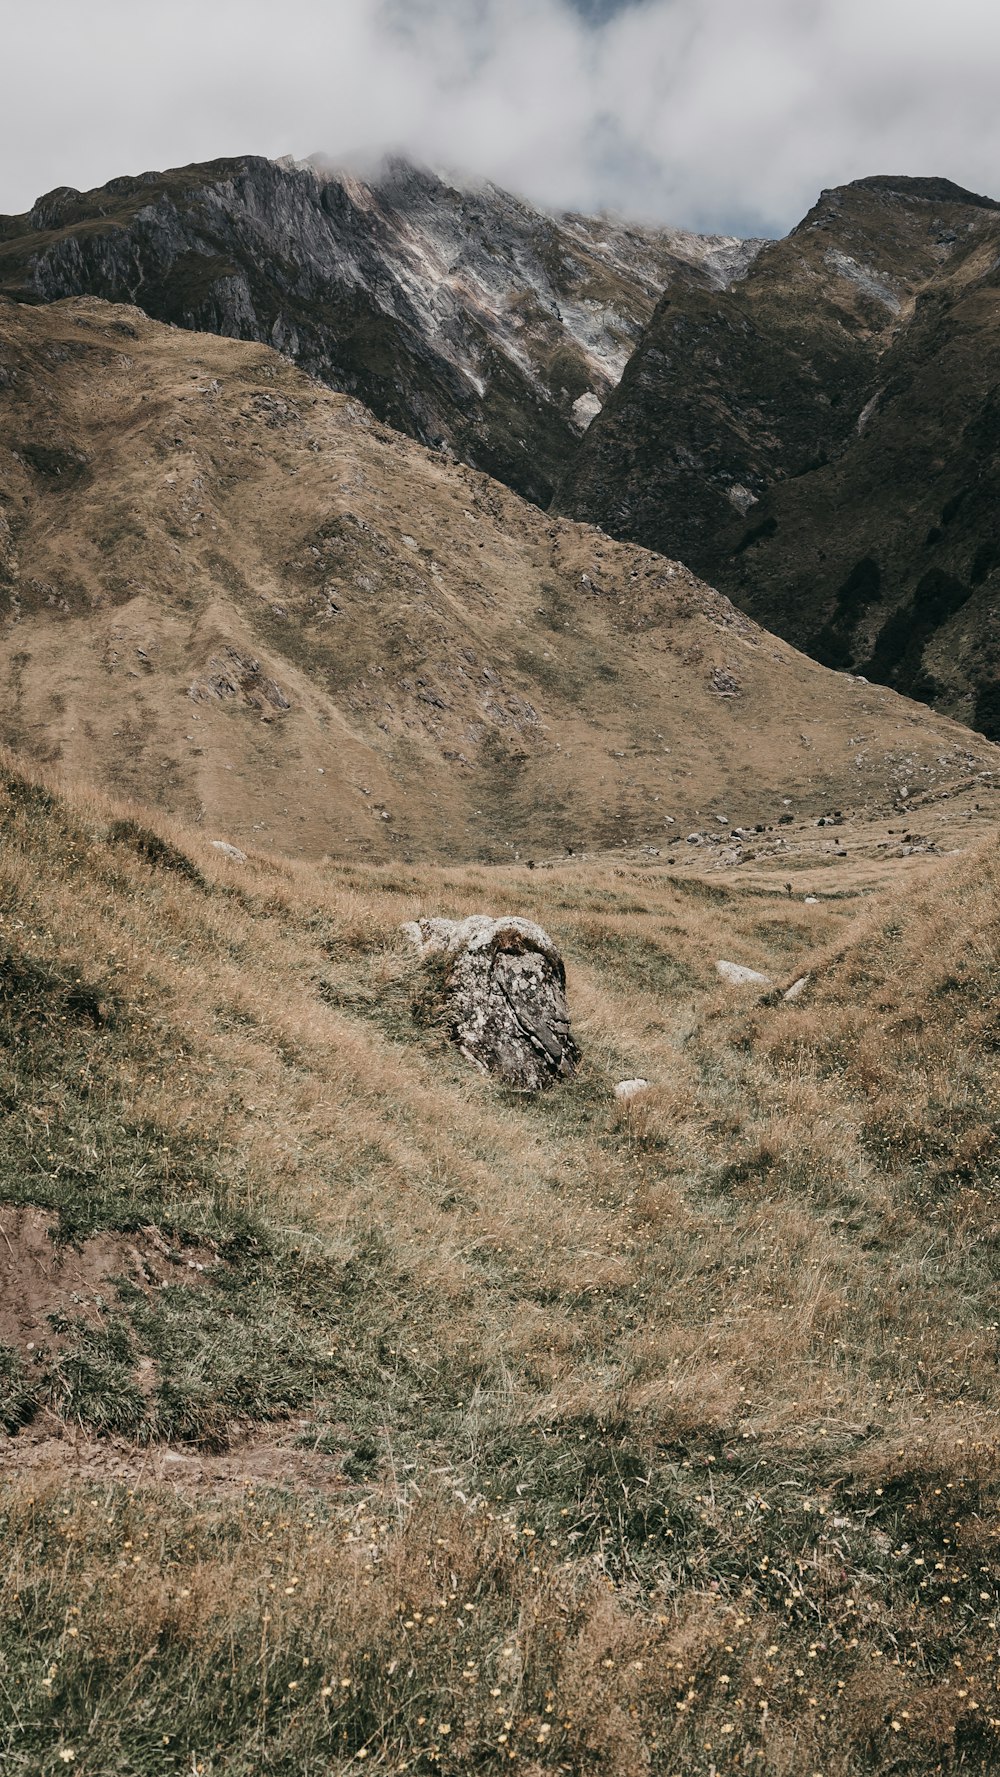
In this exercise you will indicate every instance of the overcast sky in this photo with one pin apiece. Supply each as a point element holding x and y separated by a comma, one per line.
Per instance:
<point>724,114</point>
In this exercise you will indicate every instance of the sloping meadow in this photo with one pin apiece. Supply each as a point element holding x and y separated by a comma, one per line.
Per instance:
<point>660,1436</point>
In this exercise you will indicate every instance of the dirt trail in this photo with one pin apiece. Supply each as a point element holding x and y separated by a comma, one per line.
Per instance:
<point>52,1452</point>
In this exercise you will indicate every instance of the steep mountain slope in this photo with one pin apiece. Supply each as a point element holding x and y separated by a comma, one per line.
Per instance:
<point>458,314</point>
<point>821,439</point>
<point>233,594</point>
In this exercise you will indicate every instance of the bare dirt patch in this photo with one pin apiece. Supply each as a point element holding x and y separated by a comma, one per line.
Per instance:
<point>56,1453</point>
<point>41,1277</point>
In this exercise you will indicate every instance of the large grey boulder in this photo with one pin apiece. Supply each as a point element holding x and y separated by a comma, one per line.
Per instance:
<point>503,995</point>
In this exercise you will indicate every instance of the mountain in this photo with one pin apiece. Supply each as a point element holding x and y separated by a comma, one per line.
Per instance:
<point>457,313</point>
<point>809,424</point>
<point>821,439</point>
<point>352,1406</point>
<point>232,594</point>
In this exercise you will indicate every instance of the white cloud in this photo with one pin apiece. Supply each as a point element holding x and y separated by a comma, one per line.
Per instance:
<point>712,113</point>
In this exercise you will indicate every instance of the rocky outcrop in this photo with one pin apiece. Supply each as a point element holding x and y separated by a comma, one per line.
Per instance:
<point>458,313</point>
<point>822,442</point>
<point>502,992</point>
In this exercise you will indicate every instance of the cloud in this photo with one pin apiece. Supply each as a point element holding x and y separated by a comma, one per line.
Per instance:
<point>726,114</point>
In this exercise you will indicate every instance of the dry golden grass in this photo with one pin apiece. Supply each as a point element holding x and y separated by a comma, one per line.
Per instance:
<point>235,597</point>
<point>703,1387</point>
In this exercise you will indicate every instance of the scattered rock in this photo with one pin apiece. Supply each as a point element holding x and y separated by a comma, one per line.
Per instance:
<point>229,851</point>
<point>738,976</point>
<point>741,497</point>
<point>627,1089</point>
<point>503,994</point>
<point>232,675</point>
<point>797,989</point>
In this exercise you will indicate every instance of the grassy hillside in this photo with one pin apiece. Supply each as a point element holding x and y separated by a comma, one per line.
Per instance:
<point>232,595</point>
<point>503,1434</point>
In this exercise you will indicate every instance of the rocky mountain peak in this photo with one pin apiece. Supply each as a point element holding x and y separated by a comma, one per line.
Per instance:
<point>458,312</point>
<point>823,444</point>
<point>919,190</point>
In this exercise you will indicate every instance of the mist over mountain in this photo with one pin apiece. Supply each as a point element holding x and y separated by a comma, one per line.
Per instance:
<point>677,112</point>
<point>598,12</point>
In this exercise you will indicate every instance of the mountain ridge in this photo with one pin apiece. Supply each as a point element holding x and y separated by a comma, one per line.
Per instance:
<point>458,313</point>
<point>821,442</point>
<point>807,423</point>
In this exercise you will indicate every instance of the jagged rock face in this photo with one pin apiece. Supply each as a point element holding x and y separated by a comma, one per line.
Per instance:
<point>822,440</point>
<point>503,992</point>
<point>458,314</point>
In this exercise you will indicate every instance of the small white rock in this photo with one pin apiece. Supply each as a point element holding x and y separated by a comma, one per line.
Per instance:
<point>627,1089</point>
<point>585,409</point>
<point>797,989</point>
<point>741,497</point>
<point>229,851</point>
<point>738,976</point>
<point>812,901</point>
